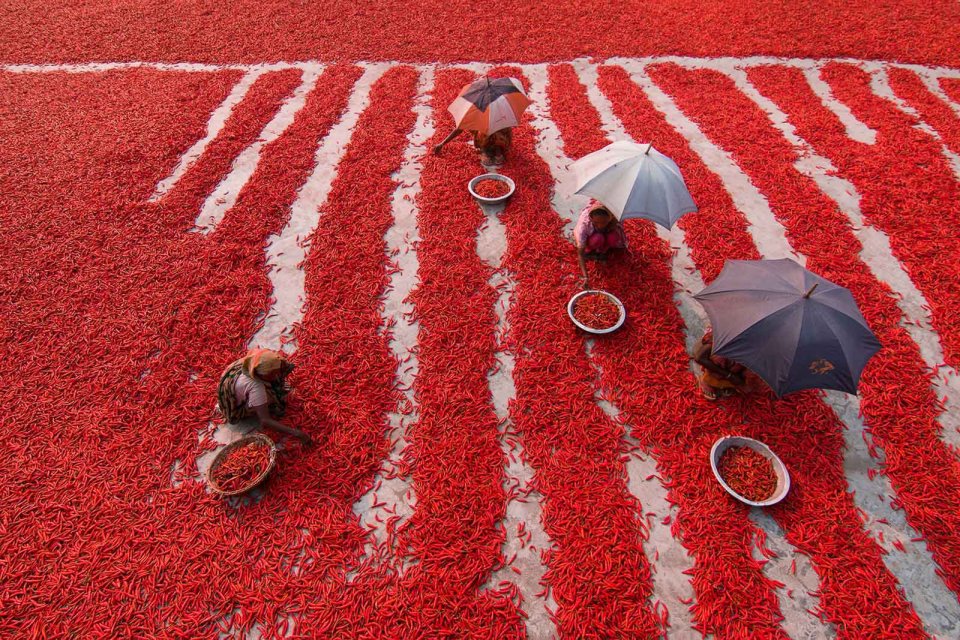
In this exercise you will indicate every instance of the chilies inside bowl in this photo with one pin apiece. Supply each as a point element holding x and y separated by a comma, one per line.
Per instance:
<point>491,188</point>
<point>596,311</point>
<point>741,455</point>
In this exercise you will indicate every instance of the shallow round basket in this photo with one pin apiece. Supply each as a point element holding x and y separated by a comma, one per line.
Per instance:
<point>783,477</point>
<point>598,332</point>
<point>221,456</point>
<point>492,176</point>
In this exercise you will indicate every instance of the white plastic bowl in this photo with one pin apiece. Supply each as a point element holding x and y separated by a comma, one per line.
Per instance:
<point>492,176</point>
<point>783,477</point>
<point>598,332</point>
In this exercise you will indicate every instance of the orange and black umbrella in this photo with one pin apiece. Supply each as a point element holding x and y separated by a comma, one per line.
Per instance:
<point>489,105</point>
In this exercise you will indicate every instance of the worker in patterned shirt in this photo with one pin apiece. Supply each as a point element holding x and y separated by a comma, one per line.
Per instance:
<point>255,385</point>
<point>719,377</point>
<point>492,148</point>
<point>597,234</point>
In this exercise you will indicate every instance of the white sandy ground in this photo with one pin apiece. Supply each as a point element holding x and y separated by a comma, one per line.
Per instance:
<point>287,249</point>
<point>932,82</point>
<point>214,126</point>
<point>856,130</point>
<point>670,585</point>
<point>390,490</point>
<point>937,607</point>
<point>525,536</point>
<point>225,195</point>
<point>523,510</point>
<point>880,83</point>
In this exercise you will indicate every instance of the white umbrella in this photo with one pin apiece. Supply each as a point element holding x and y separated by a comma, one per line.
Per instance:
<point>634,181</point>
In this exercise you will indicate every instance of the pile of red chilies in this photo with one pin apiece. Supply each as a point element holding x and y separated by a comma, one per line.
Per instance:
<point>748,472</point>
<point>596,310</point>
<point>248,32</point>
<point>241,467</point>
<point>165,309</point>
<point>489,188</point>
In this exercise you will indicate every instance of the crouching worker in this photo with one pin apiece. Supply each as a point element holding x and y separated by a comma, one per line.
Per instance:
<point>597,234</point>
<point>255,385</point>
<point>719,376</point>
<point>492,147</point>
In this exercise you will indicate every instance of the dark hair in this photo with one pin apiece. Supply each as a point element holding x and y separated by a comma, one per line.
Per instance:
<point>600,211</point>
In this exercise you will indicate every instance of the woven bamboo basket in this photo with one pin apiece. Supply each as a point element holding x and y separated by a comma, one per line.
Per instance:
<point>222,455</point>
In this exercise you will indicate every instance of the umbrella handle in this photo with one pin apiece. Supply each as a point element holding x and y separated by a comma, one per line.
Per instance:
<point>647,152</point>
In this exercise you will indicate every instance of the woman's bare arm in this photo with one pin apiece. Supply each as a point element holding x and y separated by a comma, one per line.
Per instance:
<point>266,420</point>
<point>583,267</point>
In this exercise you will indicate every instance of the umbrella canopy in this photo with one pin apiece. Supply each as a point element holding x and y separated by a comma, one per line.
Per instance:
<point>489,104</point>
<point>788,325</point>
<point>634,181</point>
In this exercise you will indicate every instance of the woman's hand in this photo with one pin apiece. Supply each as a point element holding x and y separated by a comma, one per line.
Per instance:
<point>453,134</point>
<point>585,281</point>
<point>266,420</point>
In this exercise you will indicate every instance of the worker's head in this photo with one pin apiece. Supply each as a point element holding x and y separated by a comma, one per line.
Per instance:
<point>279,373</point>
<point>267,365</point>
<point>601,217</point>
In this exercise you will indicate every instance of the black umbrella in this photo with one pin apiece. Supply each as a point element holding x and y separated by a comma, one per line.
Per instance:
<point>788,325</point>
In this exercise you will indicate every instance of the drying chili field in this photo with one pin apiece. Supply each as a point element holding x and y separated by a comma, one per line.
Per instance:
<point>180,183</point>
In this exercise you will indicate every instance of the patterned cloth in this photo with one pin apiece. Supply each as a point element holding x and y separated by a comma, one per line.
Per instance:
<point>712,384</point>
<point>257,363</point>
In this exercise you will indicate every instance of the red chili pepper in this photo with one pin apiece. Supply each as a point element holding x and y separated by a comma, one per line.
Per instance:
<point>748,472</point>
<point>241,467</point>
<point>596,311</point>
<point>490,188</point>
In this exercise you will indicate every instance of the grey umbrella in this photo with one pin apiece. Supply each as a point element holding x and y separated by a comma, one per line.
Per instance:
<point>788,325</point>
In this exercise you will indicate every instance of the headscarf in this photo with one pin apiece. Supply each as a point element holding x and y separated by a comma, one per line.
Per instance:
<point>260,362</point>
